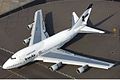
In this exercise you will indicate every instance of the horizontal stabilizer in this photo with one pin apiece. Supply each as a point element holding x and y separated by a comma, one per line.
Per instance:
<point>74,18</point>
<point>87,29</point>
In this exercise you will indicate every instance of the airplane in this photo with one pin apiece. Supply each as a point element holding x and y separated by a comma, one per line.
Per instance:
<point>47,48</point>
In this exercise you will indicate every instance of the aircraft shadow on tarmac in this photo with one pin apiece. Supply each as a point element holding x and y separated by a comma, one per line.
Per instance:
<point>28,64</point>
<point>99,23</point>
<point>49,23</point>
<point>33,3</point>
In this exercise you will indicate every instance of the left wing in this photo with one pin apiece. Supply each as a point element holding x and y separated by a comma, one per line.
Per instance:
<point>38,32</point>
<point>66,57</point>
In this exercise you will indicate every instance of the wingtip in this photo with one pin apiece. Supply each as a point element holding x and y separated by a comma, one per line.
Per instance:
<point>90,6</point>
<point>40,10</point>
<point>73,12</point>
<point>102,32</point>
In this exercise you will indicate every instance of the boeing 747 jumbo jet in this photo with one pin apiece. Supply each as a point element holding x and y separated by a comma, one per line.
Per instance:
<point>47,48</point>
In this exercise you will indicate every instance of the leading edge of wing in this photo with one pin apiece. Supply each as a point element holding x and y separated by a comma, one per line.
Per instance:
<point>69,58</point>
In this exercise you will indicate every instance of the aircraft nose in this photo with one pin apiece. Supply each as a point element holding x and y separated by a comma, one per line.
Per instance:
<point>6,65</point>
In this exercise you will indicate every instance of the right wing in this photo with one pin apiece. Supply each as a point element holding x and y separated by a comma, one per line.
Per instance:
<point>59,55</point>
<point>38,32</point>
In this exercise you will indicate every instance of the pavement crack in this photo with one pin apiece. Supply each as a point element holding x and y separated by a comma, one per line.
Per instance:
<point>16,74</point>
<point>8,51</point>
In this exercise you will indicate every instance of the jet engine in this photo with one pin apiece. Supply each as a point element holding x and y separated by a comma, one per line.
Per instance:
<point>55,66</point>
<point>26,41</point>
<point>82,69</point>
<point>30,26</point>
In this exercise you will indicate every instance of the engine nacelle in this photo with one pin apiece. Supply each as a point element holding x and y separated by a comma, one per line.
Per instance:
<point>55,66</point>
<point>30,26</point>
<point>26,41</point>
<point>46,34</point>
<point>82,69</point>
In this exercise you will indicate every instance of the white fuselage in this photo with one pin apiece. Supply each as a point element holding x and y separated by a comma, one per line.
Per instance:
<point>30,53</point>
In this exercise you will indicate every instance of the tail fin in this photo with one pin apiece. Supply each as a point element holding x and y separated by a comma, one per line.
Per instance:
<point>86,14</point>
<point>79,24</point>
<point>83,19</point>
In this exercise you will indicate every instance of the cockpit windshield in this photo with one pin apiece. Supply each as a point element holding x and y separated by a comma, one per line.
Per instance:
<point>13,58</point>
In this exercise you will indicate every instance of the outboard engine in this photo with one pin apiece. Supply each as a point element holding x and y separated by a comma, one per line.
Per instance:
<point>82,69</point>
<point>26,41</point>
<point>30,26</point>
<point>46,34</point>
<point>55,66</point>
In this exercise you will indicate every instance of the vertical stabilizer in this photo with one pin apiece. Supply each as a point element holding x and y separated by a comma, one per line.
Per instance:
<point>80,24</point>
<point>84,18</point>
